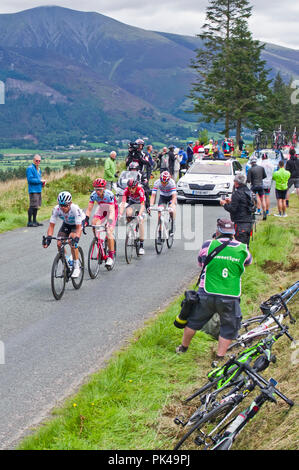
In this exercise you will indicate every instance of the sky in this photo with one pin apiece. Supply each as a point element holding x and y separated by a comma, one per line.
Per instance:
<point>273,21</point>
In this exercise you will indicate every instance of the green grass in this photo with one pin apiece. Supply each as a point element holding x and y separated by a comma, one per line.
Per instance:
<point>131,403</point>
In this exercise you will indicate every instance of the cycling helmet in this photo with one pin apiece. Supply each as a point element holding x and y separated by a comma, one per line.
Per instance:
<point>132,182</point>
<point>165,177</point>
<point>139,142</point>
<point>64,198</point>
<point>134,166</point>
<point>99,183</point>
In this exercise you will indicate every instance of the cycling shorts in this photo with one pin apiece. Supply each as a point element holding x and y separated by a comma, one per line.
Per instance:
<point>66,229</point>
<point>164,200</point>
<point>293,181</point>
<point>281,193</point>
<point>103,215</point>
<point>267,191</point>
<point>258,190</point>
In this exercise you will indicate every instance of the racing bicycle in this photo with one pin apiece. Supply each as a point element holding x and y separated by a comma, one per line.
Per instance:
<point>62,268</point>
<point>274,311</point>
<point>132,241</point>
<point>98,250</point>
<point>165,228</point>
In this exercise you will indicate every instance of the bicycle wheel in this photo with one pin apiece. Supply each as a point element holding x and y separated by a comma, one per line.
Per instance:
<point>159,241</point>
<point>254,329</point>
<point>94,259</point>
<point>129,245</point>
<point>169,240</point>
<point>77,281</point>
<point>58,276</point>
<point>205,428</point>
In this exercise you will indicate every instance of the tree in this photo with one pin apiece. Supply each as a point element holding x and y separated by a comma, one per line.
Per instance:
<point>230,72</point>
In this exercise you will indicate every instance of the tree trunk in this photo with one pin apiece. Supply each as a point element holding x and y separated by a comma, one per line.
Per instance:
<point>238,131</point>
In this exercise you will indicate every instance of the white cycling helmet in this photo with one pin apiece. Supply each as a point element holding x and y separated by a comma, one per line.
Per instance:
<point>64,198</point>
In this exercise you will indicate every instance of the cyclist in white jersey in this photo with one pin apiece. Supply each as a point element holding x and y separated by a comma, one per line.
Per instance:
<point>168,193</point>
<point>73,218</point>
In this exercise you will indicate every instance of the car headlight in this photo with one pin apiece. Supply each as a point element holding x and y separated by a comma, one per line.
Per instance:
<point>222,186</point>
<point>182,184</point>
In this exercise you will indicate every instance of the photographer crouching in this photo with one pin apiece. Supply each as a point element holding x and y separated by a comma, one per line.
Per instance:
<point>241,208</point>
<point>223,261</point>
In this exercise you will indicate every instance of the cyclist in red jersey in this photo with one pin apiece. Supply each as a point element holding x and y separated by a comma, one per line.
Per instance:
<point>134,200</point>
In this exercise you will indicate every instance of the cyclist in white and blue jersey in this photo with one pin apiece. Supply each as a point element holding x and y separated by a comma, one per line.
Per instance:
<point>168,193</point>
<point>73,219</point>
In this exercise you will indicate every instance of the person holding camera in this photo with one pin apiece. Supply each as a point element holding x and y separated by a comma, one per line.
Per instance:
<point>219,287</point>
<point>241,209</point>
<point>137,155</point>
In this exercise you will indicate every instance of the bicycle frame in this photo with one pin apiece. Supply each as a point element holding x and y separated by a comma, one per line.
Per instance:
<point>100,241</point>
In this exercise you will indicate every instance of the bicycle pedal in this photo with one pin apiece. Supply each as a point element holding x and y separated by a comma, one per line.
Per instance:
<point>178,421</point>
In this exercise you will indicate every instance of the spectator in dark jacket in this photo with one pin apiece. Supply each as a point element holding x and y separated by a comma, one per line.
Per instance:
<point>190,153</point>
<point>292,166</point>
<point>255,176</point>
<point>241,209</point>
<point>171,160</point>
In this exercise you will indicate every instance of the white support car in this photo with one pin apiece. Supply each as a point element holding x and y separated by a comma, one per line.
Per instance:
<point>208,180</point>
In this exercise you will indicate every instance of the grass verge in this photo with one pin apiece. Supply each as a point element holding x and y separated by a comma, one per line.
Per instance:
<point>131,403</point>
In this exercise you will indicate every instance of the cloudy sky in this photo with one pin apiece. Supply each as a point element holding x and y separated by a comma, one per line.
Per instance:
<point>273,21</point>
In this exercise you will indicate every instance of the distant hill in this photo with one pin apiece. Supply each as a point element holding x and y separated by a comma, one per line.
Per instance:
<point>70,73</point>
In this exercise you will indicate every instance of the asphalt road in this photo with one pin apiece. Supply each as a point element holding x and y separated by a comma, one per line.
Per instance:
<point>51,346</point>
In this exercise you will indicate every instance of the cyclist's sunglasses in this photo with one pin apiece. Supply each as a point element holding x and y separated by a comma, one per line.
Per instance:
<point>65,205</point>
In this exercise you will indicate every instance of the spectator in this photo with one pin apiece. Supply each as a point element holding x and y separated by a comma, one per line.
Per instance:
<point>171,160</point>
<point>164,160</point>
<point>256,174</point>
<point>293,167</point>
<point>225,146</point>
<point>281,178</point>
<point>110,174</point>
<point>241,144</point>
<point>176,165</point>
<point>196,148</point>
<point>189,153</point>
<point>150,162</point>
<point>183,160</point>
<point>267,182</point>
<point>35,185</point>
<point>218,292</point>
<point>241,209</point>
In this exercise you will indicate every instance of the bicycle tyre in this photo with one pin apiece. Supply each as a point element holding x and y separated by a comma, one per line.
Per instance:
<point>129,245</point>
<point>56,290</point>
<point>93,262</point>
<point>248,326</point>
<point>77,281</point>
<point>169,240</point>
<point>159,241</point>
<point>217,412</point>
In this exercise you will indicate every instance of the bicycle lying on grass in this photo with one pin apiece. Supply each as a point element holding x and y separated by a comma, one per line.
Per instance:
<point>164,230</point>
<point>62,268</point>
<point>274,311</point>
<point>98,251</point>
<point>218,428</point>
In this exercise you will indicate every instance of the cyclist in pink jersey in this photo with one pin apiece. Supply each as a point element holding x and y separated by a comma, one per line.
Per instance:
<point>107,211</point>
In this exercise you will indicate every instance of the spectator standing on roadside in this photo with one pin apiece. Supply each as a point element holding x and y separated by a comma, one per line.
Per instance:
<point>255,176</point>
<point>281,178</point>
<point>241,144</point>
<point>171,160</point>
<point>219,288</point>
<point>267,182</point>
<point>164,160</point>
<point>190,153</point>
<point>241,209</point>
<point>35,186</point>
<point>293,167</point>
<point>183,160</point>
<point>177,164</point>
<point>196,149</point>
<point>110,174</point>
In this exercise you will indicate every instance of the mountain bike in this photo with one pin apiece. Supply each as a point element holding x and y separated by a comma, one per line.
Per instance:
<point>98,251</point>
<point>218,428</point>
<point>62,269</point>
<point>164,230</point>
<point>274,311</point>
<point>132,241</point>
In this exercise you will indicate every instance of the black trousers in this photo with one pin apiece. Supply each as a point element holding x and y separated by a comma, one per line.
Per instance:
<point>243,232</point>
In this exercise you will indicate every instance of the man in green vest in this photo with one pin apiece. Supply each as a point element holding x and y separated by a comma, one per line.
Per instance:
<point>219,288</point>
<point>110,170</point>
<point>281,178</point>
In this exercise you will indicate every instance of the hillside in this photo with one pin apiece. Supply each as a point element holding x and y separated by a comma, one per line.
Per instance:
<point>70,73</point>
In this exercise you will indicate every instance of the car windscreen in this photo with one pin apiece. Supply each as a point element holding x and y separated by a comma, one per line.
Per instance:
<point>211,168</point>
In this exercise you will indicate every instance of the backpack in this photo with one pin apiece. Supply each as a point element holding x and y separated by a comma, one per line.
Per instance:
<point>164,161</point>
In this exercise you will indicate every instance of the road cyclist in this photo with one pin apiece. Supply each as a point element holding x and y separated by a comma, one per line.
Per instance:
<point>73,219</point>
<point>133,202</point>
<point>106,214</point>
<point>168,195</point>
